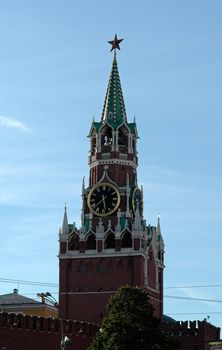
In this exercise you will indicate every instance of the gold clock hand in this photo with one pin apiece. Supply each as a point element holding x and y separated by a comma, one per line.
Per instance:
<point>102,200</point>
<point>104,203</point>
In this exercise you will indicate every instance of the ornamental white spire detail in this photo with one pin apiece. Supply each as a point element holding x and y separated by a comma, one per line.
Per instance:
<point>65,226</point>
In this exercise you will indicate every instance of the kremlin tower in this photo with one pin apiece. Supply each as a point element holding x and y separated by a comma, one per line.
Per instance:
<point>114,246</point>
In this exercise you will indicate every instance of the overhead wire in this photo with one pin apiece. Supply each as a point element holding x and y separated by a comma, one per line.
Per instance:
<point>55,285</point>
<point>195,286</point>
<point>195,313</point>
<point>10,280</point>
<point>195,299</point>
<point>33,283</point>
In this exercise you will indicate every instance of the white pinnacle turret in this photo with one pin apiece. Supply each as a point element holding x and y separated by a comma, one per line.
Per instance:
<point>158,229</point>
<point>83,206</point>
<point>65,226</point>
<point>137,220</point>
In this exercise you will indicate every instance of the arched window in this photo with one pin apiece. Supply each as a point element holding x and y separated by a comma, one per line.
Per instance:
<point>80,267</point>
<point>109,265</point>
<point>130,264</point>
<point>119,264</point>
<point>73,243</point>
<point>100,267</point>
<point>123,138</point>
<point>91,242</point>
<point>89,266</point>
<point>107,137</point>
<point>134,145</point>
<point>126,241</point>
<point>110,241</point>
<point>93,145</point>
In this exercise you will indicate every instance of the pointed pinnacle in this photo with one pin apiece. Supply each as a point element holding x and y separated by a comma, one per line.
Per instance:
<point>158,224</point>
<point>65,229</point>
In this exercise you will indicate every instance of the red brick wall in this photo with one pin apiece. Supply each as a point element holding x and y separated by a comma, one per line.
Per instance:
<point>117,172</point>
<point>192,335</point>
<point>151,267</point>
<point>18,332</point>
<point>84,294</point>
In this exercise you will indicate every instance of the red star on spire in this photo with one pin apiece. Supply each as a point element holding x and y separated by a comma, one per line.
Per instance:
<point>115,43</point>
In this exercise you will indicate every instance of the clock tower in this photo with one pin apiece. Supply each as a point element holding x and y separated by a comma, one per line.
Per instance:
<point>114,245</point>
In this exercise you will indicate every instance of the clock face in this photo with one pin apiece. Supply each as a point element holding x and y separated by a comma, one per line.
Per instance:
<point>103,199</point>
<point>137,200</point>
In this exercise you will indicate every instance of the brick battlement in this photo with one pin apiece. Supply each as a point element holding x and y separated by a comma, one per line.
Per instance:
<point>193,328</point>
<point>42,324</point>
<point>42,333</point>
<point>189,333</point>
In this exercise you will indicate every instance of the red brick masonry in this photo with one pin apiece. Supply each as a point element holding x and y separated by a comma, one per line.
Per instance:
<point>19,332</point>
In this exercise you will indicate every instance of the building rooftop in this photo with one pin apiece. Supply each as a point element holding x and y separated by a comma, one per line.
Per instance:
<point>16,299</point>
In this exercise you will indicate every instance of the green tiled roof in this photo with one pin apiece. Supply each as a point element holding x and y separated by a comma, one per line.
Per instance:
<point>97,125</point>
<point>114,125</point>
<point>114,109</point>
<point>87,224</point>
<point>114,112</point>
<point>132,126</point>
<point>122,222</point>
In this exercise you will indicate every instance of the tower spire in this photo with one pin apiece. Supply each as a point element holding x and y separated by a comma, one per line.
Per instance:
<point>158,229</point>
<point>114,107</point>
<point>65,227</point>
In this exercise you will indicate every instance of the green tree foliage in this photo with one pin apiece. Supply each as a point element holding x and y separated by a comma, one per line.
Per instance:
<point>130,324</point>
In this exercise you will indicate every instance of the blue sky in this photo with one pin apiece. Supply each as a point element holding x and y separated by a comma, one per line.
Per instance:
<point>54,69</point>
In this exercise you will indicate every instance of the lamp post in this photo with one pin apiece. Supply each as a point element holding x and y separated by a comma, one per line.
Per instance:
<point>47,297</point>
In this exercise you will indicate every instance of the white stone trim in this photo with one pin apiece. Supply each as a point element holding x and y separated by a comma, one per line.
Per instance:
<point>152,290</point>
<point>113,161</point>
<point>114,253</point>
<point>123,156</point>
<point>105,155</point>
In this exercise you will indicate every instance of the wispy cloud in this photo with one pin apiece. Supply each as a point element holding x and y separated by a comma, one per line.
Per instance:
<point>196,294</point>
<point>8,122</point>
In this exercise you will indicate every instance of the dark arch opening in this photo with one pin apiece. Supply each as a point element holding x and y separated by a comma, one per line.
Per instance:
<point>80,266</point>
<point>126,241</point>
<point>119,264</point>
<point>107,137</point>
<point>110,241</point>
<point>91,242</point>
<point>109,265</point>
<point>122,138</point>
<point>73,243</point>
<point>93,145</point>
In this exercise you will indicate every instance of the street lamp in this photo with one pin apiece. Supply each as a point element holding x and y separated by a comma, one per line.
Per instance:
<point>47,297</point>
